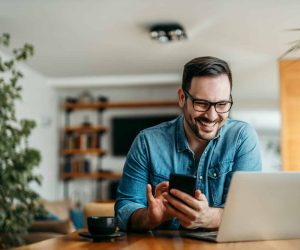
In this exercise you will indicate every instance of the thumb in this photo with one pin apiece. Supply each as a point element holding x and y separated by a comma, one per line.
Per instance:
<point>200,196</point>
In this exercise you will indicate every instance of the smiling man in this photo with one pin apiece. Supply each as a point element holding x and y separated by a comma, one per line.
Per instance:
<point>203,142</point>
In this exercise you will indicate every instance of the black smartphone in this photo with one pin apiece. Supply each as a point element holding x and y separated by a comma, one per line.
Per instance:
<point>184,183</point>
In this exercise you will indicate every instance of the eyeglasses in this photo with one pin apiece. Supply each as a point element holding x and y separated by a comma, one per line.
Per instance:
<point>204,105</point>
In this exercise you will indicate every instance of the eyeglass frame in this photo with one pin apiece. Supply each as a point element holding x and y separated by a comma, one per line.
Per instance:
<point>210,103</point>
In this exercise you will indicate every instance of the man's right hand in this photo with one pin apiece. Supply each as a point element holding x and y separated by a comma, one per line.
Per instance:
<point>156,212</point>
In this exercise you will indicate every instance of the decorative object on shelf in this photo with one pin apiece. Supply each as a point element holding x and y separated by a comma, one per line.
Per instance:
<point>19,203</point>
<point>86,97</point>
<point>86,166</point>
<point>102,98</point>
<point>86,122</point>
<point>83,139</point>
<point>71,100</point>
<point>77,165</point>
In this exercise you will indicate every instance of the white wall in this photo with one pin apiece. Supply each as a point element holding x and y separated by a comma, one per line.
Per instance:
<point>39,103</point>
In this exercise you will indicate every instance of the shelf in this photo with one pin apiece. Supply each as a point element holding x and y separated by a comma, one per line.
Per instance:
<point>86,129</point>
<point>94,151</point>
<point>93,175</point>
<point>106,105</point>
<point>142,104</point>
<point>81,140</point>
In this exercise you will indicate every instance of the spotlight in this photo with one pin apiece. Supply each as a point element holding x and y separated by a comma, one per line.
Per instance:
<point>167,32</point>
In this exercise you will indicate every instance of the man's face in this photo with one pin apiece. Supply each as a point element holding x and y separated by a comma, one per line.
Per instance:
<point>206,124</point>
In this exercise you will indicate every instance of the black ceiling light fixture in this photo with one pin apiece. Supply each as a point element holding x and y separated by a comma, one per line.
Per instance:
<point>167,32</point>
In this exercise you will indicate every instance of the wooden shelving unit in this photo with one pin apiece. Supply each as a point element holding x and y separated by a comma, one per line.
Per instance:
<point>86,129</point>
<point>109,105</point>
<point>83,140</point>
<point>93,175</point>
<point>92,151</point>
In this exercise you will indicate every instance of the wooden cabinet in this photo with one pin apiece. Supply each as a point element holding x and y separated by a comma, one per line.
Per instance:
<point>290,113</point>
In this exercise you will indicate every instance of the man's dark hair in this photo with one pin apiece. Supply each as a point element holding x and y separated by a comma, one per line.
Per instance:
<point>204,66</point>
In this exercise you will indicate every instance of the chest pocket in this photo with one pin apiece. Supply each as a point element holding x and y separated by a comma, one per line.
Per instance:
<point>218,182</point>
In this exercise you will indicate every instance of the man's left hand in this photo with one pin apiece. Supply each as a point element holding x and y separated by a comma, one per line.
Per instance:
<point>192,212</point>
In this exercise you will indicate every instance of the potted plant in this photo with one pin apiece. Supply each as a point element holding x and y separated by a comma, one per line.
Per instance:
<point>295,46</point>
<point>18,202</point>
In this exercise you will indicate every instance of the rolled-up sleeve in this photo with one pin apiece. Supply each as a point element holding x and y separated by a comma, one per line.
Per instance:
<point>131,193</point>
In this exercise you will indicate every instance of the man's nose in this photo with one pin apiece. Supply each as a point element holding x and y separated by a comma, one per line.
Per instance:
<point>212,113</point>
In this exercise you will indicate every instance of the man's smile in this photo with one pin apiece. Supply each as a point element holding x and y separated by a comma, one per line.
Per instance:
<point>206,124</point>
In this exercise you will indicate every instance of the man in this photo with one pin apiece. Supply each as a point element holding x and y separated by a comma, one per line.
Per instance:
<point>202,142</point>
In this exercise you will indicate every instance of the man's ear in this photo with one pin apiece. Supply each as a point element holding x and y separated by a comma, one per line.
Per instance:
<point>181,98</point>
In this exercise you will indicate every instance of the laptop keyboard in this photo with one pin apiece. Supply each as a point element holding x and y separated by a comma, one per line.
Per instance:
<point>210,234</point>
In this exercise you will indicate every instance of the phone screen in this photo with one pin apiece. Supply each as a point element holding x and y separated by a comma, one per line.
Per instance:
<point>184,183</point>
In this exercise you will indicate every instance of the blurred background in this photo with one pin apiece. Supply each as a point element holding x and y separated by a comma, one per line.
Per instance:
<point>90,51</point>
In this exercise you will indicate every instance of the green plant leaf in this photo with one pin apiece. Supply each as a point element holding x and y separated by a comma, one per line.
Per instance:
<point>18,202</point>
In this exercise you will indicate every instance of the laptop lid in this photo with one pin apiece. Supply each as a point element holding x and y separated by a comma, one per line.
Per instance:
<point>261,206</point>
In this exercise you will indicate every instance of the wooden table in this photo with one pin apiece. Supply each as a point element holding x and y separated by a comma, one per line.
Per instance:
<point>148,241</point>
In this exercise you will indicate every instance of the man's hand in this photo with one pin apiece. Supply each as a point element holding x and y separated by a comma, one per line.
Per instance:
<point>192,212</point>
<point>156,213</point>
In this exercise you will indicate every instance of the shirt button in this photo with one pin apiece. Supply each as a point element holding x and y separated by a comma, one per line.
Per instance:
<point>215,174</point>
<point>201,177</point>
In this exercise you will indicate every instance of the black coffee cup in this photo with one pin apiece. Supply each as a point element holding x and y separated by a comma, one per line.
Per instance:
<point>101,225</point>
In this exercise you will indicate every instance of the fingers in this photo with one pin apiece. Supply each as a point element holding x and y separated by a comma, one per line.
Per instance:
<point>163,184</point>
<point>190,211</point>
<point>182,210</point>
<point>175,213</point>
<point>186,204</point>
<point>161,188</point>
<point>200,196</point>
<point>150,197</point>
<point>190,201</point>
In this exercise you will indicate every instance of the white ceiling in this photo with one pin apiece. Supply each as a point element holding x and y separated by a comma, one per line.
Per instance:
<point>84,38</point>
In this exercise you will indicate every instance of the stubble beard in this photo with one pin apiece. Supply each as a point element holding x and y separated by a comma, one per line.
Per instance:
<point>200,122</point>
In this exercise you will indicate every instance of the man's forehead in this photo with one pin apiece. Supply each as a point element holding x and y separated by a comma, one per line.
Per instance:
<point>211,82</point>
<point>223,76</point>
<point>210,88</point>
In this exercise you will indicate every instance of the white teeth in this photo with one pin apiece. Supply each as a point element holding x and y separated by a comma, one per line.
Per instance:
<point>208,124</point>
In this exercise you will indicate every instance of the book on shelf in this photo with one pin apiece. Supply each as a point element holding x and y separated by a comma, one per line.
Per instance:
<point>82,141</point>
<point>77,165</point>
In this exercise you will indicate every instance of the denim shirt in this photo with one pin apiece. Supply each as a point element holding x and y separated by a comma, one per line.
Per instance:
<point>158,151</point>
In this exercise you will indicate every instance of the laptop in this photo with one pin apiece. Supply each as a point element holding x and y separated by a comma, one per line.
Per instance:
<point>259,206</point>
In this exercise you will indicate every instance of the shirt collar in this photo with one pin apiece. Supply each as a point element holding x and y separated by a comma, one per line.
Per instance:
<point>181,140</point>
